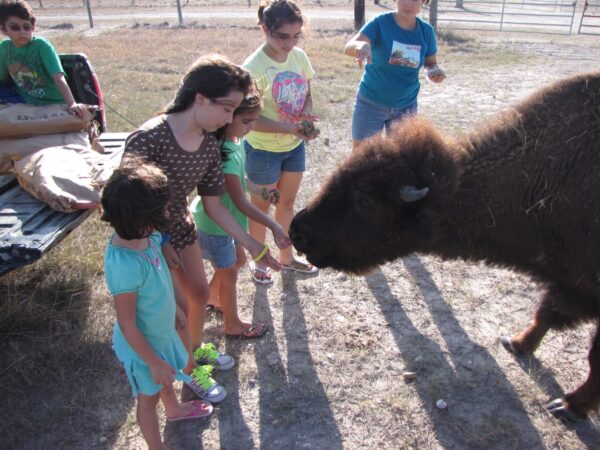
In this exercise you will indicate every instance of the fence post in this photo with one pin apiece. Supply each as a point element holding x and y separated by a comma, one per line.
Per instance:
<point>179,13</point>
<point>89,11</point>
<point>359,14</point>
<point>433,13</point>
<point>502,15</point>
<point>585,6</point>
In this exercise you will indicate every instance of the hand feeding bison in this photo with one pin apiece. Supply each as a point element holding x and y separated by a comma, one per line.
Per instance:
<point>521,192</point>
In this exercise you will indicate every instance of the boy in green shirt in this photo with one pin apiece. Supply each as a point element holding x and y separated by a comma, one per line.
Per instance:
<point>31,61</point>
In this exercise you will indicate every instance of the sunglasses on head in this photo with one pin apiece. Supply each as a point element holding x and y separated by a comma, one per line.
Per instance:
<point>17,27</point>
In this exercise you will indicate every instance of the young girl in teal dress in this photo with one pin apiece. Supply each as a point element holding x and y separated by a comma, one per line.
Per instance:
<point>145,338</point>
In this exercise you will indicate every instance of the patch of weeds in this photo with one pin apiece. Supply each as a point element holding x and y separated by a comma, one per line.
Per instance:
<point>452,38</point>
<point>62,26</point>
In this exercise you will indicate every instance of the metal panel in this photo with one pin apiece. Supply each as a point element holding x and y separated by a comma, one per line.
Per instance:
<point>28,227</point>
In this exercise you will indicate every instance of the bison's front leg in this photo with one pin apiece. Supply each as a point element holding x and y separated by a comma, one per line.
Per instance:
<point>548,315</point>
<point>575,405</point>
<point>559,309</point>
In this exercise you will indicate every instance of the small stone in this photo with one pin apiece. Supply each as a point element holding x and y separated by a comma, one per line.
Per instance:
<point>283,296</point>
<point>326,142</point>
<point>418,358</point>
<point>340,319</point>
<point>342,276</point>
<point>330,356</point>
<point>409,376</point>
<point>251,382</point>
<point>441,404</point>
<point>103,439</point>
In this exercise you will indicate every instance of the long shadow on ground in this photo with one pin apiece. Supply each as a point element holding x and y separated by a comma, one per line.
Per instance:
<point>471,420</point>
<point>294,409</point>
<point>52,375</point>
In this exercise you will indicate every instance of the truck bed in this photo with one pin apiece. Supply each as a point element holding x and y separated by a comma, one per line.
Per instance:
<point>30,228</point>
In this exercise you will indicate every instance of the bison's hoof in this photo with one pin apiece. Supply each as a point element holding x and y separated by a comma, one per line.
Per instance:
<point>508,345</point>
<point>560,410</point>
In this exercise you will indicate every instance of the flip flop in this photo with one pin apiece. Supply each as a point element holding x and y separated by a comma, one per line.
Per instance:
<point>300,267</point>
<point>201,410</point>
<point>254,331</point>
<point>266,271</point>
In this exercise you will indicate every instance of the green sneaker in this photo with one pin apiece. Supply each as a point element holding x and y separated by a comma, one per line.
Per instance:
<point>208,354</point>
<point>204,386</point>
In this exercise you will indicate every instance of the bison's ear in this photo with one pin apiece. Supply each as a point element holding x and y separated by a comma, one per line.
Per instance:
<point>410,194</point>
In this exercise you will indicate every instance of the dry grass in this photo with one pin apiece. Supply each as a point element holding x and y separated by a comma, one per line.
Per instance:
<point>329,374</point>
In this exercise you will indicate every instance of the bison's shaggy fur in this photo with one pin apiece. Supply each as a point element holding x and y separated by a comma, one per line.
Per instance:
<point>522,191</point>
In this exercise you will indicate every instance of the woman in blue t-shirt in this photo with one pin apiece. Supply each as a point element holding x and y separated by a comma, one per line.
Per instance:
<point>394,46</point>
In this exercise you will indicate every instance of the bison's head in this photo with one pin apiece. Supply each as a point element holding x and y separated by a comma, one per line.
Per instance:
<point>383,202</point>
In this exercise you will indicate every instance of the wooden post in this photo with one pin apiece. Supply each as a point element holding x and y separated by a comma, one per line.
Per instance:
<point>179,13</point>
<point>433,10</point>
<point>359,14</point>
<point>89,11</point>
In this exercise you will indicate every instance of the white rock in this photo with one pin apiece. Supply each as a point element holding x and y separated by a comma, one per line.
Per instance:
<point>441,404</point>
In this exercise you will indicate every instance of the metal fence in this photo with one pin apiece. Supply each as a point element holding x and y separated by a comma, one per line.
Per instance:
<point>541,16</point>
<point>508,15</point>
<point>590,18</point>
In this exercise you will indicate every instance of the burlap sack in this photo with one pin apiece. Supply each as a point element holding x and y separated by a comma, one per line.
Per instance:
<point>21,120</point>
<point>66,178</point>
<point>16,149</point>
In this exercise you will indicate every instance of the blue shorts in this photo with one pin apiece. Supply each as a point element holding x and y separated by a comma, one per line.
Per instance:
<point>218,249</point>
<point>263,167</point>
<point>370,118</point>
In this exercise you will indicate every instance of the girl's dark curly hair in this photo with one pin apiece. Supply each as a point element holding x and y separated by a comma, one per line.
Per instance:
<point>135,198</point>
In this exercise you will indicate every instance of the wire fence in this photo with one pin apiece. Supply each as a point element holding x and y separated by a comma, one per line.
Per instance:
<point>556,16</point>
<point>542,16</point>
<point>590,18</point>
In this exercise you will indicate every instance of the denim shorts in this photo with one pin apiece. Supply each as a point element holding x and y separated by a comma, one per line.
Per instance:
<point>370,118</point>
<point>218,249</point>
<point>263,167</point>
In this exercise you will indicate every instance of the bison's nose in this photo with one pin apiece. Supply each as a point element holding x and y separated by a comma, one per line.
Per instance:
<point>299,236</point>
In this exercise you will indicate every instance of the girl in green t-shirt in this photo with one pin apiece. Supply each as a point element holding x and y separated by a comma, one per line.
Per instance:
<point>226,255</point>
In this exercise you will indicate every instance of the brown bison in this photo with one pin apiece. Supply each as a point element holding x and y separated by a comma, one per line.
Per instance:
<point>521,192</point>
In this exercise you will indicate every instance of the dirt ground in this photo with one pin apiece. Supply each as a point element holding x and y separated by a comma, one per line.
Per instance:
<point>329,374</point>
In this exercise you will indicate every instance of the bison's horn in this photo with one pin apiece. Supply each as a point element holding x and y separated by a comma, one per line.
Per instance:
<point>411,194</point>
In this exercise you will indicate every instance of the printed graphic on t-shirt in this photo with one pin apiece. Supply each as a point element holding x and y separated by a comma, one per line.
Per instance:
<point>405,54</point>
<point>28,80</point>
<point>289,92</point>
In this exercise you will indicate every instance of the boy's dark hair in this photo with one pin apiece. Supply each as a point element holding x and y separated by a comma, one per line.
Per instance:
<point>212,76</point>
<point>135,198</point>
<point>15,8</point>
<point>274,14</point>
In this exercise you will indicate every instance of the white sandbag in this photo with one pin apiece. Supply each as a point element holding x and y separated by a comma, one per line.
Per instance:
<point>67,178</point>
<point>21,120</point>
<point>16,149</point>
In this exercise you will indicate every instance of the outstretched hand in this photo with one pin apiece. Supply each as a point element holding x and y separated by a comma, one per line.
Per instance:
<point>436,74</point>
<point>363,55</point>
<point>281,239</point>
<point>256,249</point>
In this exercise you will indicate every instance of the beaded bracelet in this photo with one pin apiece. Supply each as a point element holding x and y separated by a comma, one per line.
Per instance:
<point>262,253</point>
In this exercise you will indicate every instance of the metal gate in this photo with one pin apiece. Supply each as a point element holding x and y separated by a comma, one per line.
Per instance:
<point>508,15</point>
<point>590,18</point>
